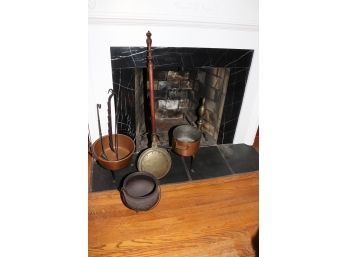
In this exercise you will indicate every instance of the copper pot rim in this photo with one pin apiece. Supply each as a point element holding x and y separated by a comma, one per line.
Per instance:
<point>186,142</point>
<point>114,161</point>
<point>190,127</point>
<point>144,173</point>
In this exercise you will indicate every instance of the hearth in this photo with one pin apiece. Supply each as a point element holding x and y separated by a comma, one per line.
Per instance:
<point>183,77</point>
<point>211,162</point>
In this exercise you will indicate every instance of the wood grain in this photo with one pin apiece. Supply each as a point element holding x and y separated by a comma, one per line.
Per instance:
<point>214,217</point>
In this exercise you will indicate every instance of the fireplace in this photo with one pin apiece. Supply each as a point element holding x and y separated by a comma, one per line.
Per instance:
<point>204,38</point>
<point>183,24</point>
<point>183,77</point>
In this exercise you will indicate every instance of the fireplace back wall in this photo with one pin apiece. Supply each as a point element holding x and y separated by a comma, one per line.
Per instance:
<point>126,61</point>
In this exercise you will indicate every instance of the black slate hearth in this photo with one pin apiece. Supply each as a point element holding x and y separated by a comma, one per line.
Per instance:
<point>240,157</point>
<point>210,162</point>
<point>102,178</point>
<point>177,172</point>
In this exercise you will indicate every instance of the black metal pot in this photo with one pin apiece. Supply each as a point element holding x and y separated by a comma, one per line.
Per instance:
<point>140,191</point>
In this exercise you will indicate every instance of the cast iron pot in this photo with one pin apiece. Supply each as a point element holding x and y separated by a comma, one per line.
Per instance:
<point>125,148</point>
<point>140,191</point>
<point>186,139</point>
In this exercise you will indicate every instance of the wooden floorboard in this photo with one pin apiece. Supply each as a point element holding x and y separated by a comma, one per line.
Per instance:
<point>213,217</point>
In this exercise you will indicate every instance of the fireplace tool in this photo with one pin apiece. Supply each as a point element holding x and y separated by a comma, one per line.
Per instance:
<point>100,133</point>
<point>113,148</point>
<point>119,154</point>
<point>111,140</point>
<point>187,138</point>
<point>89,142</point>
<point>155,160</point>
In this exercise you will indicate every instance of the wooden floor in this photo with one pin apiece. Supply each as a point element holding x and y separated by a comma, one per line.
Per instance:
<point>214,217</point>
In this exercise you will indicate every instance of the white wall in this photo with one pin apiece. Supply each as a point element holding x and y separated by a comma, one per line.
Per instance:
<point>177,24</point>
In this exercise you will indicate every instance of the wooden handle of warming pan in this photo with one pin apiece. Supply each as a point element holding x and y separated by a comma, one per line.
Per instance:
<point>151,82</point>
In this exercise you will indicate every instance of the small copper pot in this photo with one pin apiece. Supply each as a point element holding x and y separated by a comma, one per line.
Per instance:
<point>186,140</point>
<point>140,191</point>
<point>125,150</point>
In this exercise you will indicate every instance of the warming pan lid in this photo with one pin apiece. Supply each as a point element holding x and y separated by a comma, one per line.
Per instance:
<point>155,160</point>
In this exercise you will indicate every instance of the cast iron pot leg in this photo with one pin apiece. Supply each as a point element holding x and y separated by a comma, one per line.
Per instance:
<point>113,176</point>
<point>191,163</point>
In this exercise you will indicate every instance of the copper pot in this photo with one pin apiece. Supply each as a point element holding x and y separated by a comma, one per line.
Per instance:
<point>140,191</point>
<point>125,149</point>
<point>186,140</point>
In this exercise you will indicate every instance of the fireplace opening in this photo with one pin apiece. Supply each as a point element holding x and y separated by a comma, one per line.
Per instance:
<point>178,95</point>
<point>182,78</point>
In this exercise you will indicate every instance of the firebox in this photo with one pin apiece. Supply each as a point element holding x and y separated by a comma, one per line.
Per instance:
<point>184,78</point>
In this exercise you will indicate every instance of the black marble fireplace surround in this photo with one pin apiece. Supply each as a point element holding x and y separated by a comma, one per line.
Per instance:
<point>125,61</point>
